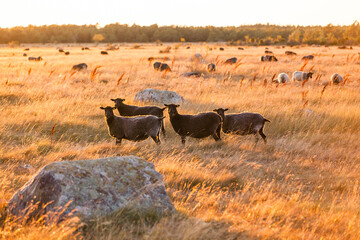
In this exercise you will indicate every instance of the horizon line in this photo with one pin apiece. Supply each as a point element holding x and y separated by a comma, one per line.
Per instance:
<point>176,25</point>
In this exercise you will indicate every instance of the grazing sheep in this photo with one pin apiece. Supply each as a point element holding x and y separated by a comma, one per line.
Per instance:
<point>308,57</point>
<point>301,76</point>
<point>79,67</point>
<point>240,48</point>
<point>24,55</point>
<point>130,110</point>
<point>36,59</point>
<point>187,47</point>
<point>104,53</point>
<point>150,59</point>
<point>290,53</point>
<point>161,66</point>
<point>268,52</point>
<point>61,50</point>
<point>221,49</point>
<point>191,74</point>
<point>268,58</point>
<point>211,67</point>
<point>135,128</point>
<point>27,49</point>
<point>243,123</point>
<point>197,126</point>
<point>231,60</point>
<point>67,53</point>
<point>282,78</point>
<point>85,48</point>
<point>336,78</point>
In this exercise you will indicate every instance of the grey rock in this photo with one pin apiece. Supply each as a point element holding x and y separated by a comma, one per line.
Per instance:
<point>159,96</point>
<point>92,188</point>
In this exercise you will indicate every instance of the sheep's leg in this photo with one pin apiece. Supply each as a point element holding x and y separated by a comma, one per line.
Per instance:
<point>262,134</point>
<point>256,140</point>
<point>156,139</point>
<point>218,131</point>
<point>118,141</point>
<point>216,136</point>
<point>183,139</point>
<point>163,127</point>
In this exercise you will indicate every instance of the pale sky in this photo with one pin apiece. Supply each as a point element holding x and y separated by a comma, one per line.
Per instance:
<point>184,12</point>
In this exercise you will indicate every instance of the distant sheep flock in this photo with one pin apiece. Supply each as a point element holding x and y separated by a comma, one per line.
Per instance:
<point>137,123</point>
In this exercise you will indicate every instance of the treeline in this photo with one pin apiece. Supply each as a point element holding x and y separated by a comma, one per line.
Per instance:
<point>259,34</point>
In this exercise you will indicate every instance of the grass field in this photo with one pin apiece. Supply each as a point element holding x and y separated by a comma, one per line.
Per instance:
<point>303,184</point>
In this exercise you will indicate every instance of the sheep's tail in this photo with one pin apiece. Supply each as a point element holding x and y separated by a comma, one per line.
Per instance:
<point>161,118</point>
<point>266,120</point>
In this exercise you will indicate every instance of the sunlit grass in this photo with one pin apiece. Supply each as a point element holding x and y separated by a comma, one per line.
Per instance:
<point>302,185</point>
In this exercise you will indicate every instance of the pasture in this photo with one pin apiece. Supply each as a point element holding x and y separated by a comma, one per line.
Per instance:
<point>303,184</point>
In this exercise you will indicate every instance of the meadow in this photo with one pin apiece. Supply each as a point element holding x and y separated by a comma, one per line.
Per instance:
<point>303,184</point>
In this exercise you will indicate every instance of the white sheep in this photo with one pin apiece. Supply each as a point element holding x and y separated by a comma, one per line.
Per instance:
<point>301,76</point>
<point>282,78</point>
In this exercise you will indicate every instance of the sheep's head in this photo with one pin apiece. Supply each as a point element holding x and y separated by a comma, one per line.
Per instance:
<point>108,111</point>
<point>172,109</point>
<point>118,101</point>
<point>221,111</point>
<point>310,74</point>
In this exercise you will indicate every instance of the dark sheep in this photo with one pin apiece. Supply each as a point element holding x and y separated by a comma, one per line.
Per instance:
<point>221,49</point>
<point>268,58</point>
<point>150,59</point>
<point>61,50</point>
<point>27,49</point>
<point>268,52</point>
<point>133,129</point>
<point>308,57</point>
<point>67,53</point>
<point>211,67</point>
<point>191,74</point>
<point>231,60</point>
<point>240,48</point>
<point>243,123</point>
<point>36,59</point>
<point>85,48</point>
<point>24,55</point>
<point>161,66</point>
<point>104,53</point>
<point>80,66</point>
<point>197,126</point>
<point>187,47</point>
<point>290,53</point>
<point>130,110</point>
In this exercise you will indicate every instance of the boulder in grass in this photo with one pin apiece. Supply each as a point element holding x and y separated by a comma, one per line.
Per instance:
<point>159,96</point>
<point>92,188</point>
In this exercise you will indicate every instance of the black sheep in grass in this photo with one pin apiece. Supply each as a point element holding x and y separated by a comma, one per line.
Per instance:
<point>243,123</point>
<point>133,128</point>
<point>131,110</point>
<point>197,126</point>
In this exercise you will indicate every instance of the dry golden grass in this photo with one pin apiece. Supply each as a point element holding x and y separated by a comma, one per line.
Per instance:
<point>304,184</point>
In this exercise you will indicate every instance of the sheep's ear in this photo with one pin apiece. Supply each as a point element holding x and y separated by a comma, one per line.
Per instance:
<point>166,105</point>
<point>122,99</point>
<point>215,110</point>
<point>112,99</point>
<point>226,109</point>
<point>102,108</point>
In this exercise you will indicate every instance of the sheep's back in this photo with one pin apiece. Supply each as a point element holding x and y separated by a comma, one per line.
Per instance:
<point>149,110</point>
<point>202,124</point>
<point>242,123</point>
